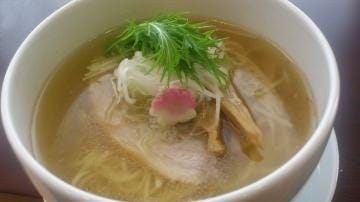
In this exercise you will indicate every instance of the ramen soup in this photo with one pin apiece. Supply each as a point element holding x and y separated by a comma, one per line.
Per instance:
<point>167,109</point>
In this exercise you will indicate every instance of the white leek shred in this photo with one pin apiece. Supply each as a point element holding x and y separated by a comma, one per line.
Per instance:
<point>136,72</point>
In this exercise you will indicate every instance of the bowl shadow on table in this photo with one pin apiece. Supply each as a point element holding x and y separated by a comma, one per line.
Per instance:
<point>5,197</point>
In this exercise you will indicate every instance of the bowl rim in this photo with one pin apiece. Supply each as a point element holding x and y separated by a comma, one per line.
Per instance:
<point>321,131</point>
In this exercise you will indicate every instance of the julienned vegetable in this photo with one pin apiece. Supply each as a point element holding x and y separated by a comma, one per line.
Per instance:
<point>175,45</point>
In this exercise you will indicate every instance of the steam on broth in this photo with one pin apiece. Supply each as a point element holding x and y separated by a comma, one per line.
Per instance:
<point>108,125</point>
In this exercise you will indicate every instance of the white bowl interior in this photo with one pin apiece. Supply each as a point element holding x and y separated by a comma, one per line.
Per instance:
<point>82,20</point>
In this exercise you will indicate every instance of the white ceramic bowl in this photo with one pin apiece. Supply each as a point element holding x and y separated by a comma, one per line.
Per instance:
<point>59,34</point>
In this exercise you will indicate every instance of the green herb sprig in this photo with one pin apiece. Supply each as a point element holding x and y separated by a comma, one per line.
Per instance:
<point>174,43</point>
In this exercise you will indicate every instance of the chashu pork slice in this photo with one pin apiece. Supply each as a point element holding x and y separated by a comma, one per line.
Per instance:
<point>177,157</point>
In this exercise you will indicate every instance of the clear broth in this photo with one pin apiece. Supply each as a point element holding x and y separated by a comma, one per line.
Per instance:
<point>66,154</point>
